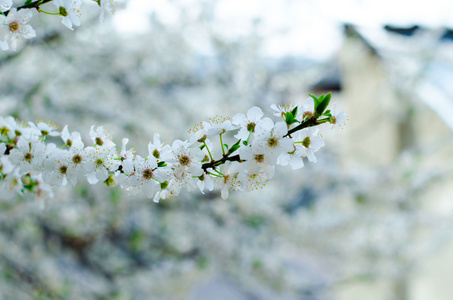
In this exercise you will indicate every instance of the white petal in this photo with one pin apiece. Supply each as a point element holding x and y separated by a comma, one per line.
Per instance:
<point>254,114</point>
<point>309,105</point>
<point>91,178</point>
<point>316,143</point>
<point>240,119</point>
<point>67,22</point>
<point>280,129</point>
<point>296,162</point>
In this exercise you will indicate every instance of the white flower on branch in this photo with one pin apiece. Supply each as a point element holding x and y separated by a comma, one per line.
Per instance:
<point>281,110</point>
<point>14,27</point>
<point>29,163</point>
<point>186,162</point>
<point>249,123</point>
<point>308,108</point>
<point>146,175</point>
<point>309,141</point>
<point>69,11</point>
<point>273,142</point>
<point>101,159</point>
<point>338,118</point>
<point>28,156</point>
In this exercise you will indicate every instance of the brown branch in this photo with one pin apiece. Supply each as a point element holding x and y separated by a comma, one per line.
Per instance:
<point>35,4</point>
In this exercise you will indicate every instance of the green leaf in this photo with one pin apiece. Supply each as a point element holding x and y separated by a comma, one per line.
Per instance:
<point>27,2</point>
<point>245,143</point>
<point>314,98</point>
<point>234,147</point>
<point>202,146</point>
<point>294,112</point>
<point>323,104</point>
<point>226,146</point>
<point>289,118</point>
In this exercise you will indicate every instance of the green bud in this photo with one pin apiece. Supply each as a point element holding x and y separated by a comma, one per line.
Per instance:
<point>111,181</point>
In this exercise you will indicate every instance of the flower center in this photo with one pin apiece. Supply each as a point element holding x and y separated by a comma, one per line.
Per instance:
<point>77,159</point>
<point>28,157</point>
<point>306,142</point>
<point>226,178</point>
<point>251,127</point>
<point>69,143</point>
<point>272,142</point>
<point>63,11</point>
<point>63,169</point>
<point>99,162</point>
<point>259,158</point>
<point>184,160</point>
<point>147,174</point>
<point>13,26</point>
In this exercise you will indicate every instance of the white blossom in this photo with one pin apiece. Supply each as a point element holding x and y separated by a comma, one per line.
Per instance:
<point>100,160</point>
<point>308,108</point>
<point>69,11</point>
<point>247,124</point>
<point>309,141</point>
<point>146,176</point>
<point>281,110</point>
<point>28,156</point>
<point>44,128</point>
<point>157,149</point>
<point>338,118</point>
<point>273,142</point>
<point>14,27</point>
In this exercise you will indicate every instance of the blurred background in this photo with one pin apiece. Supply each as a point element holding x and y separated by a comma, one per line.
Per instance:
<point>372,219</point>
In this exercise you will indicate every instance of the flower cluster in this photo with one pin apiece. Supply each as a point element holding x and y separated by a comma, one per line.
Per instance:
<point>14,20</point>
<point>238,154</point>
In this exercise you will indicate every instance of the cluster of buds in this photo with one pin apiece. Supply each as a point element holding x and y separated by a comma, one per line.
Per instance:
<point>238,153</point>
<point>14,20</point>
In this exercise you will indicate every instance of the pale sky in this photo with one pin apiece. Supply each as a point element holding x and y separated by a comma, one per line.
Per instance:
<point>303,27</point>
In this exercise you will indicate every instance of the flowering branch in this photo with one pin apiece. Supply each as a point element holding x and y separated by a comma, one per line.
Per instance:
<point>29,164</point>
<point>14,20</point>
<point>30,5</point>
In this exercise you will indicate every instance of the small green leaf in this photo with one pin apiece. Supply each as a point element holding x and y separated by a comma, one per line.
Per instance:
<point>323,104</point>
<point>314,98</point>
<point>289,118</point>
<point>294,112</point>
<point>202,146</point>
<point>245,143</point>
<point>320,99</point>
<point>234,147</point>
<point>226,146</point>
<point>27,2</point>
